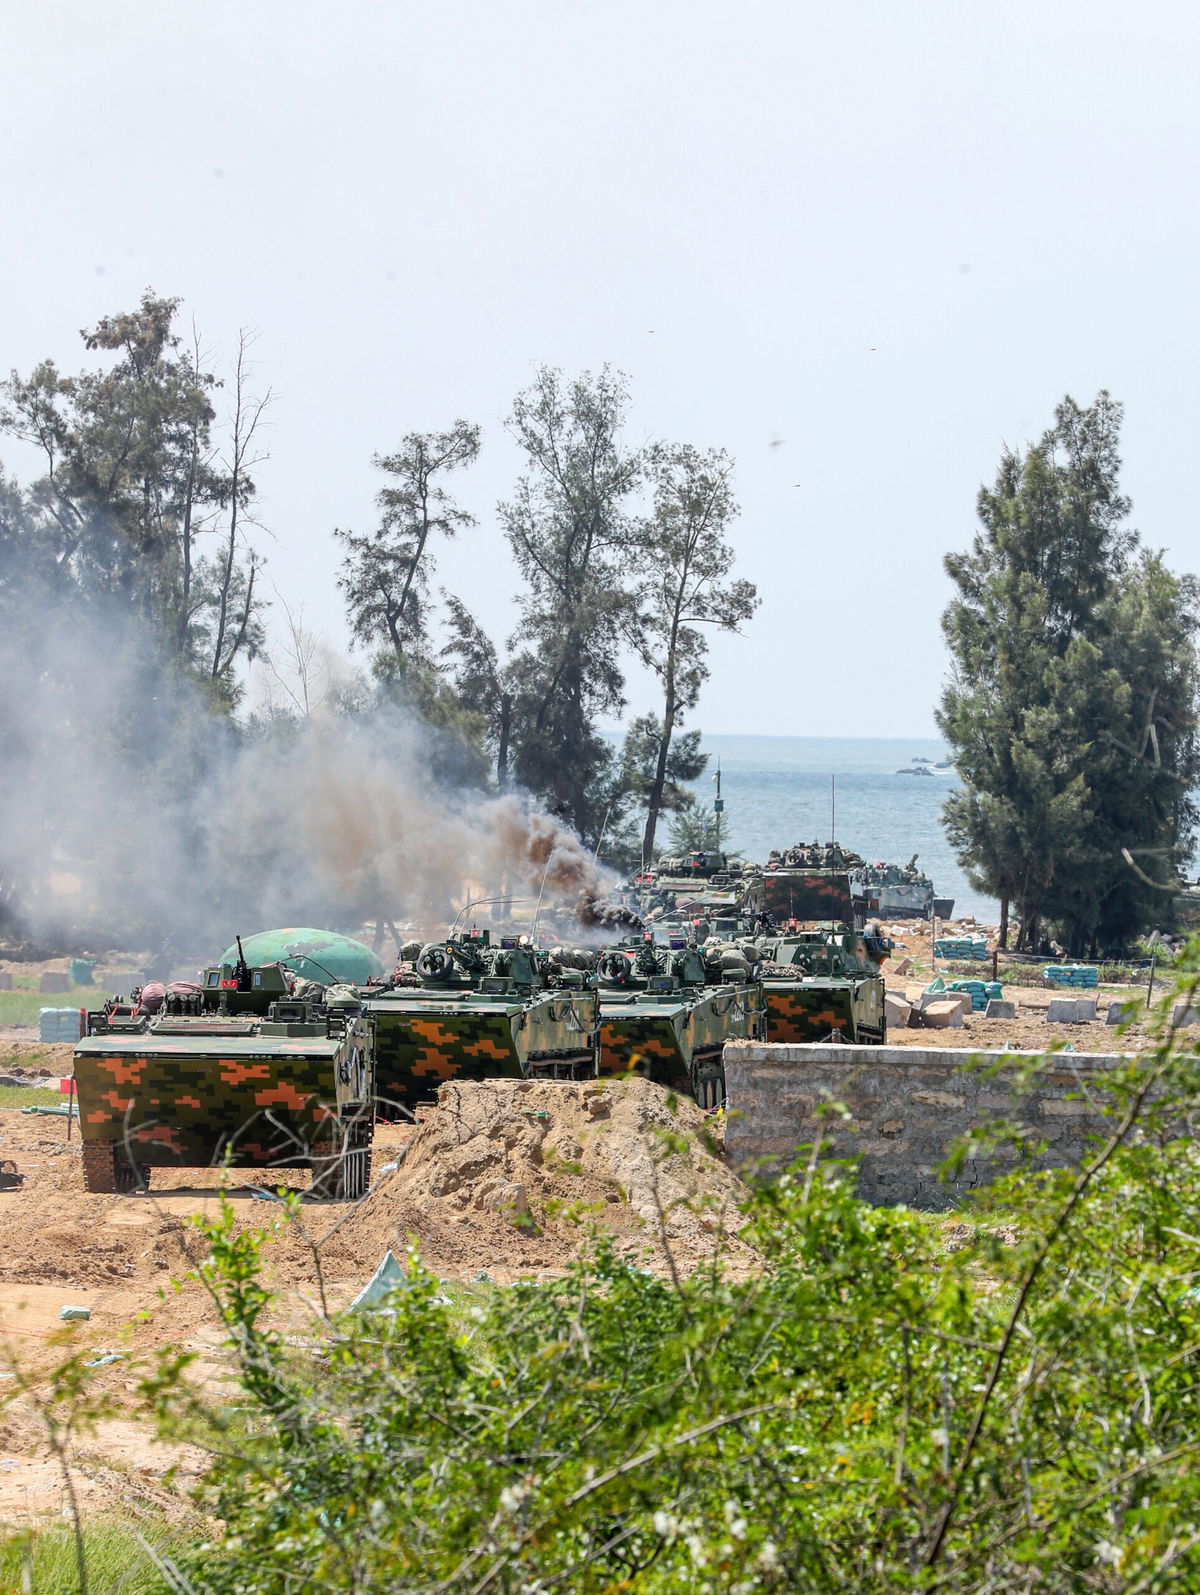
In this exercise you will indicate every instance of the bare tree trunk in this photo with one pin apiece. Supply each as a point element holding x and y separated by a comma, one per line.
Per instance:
<point>503,738</point>
<point>247,414</point>
<point>1004,924</point>
<point>654,801</point>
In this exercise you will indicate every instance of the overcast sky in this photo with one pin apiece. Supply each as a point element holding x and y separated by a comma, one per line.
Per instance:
<point>859,245</point>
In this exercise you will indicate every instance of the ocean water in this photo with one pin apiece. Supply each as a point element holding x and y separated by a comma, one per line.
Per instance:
<point>777,792</point>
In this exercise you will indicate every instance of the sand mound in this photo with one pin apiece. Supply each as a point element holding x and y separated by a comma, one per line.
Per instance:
<point>514,1173</point>
<point>512,1177</point>
<point>507,1176</point>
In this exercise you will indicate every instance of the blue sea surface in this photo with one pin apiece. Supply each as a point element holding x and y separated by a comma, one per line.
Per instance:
<point>782,790</point>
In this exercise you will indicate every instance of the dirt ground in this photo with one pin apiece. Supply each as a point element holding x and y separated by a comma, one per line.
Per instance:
<point>1029,1031</point>
<point>500,1181</point>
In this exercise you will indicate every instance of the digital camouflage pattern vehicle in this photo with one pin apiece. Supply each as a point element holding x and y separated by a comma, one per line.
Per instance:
<point>814,855</point>
<point>240,1071</point>
<point>465,1009</point>
<point>667,1013</point>
<point>808,895</point>
<point>823,982</point>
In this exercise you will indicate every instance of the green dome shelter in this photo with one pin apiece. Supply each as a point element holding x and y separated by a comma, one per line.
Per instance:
<point>320,955</point>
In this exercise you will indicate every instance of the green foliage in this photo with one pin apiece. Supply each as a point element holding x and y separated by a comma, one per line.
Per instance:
<point>654,770</point>
<point>136,477</point>
<point>1072,707</point>
<point>385,573</point>
<point>116,1558</point>
<point>494,692</point>
<point>570,532</point>
<point>696,826</point>
<point>868,1413</point>
<point>129,598</point>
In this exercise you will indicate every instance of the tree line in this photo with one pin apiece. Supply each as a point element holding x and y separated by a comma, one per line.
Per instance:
<point>144,513</point>
<point>1070,707</point>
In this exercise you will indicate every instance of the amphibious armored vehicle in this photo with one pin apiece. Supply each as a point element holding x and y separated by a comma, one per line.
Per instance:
<point>896,892</point>
<point>700,883</point>
<point>247,1070</point>
<point>824,981</point>
<point>667,1012</point>
<point>470,1009</point>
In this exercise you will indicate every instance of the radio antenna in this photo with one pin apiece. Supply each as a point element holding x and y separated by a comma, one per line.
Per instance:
<point>478,902</point>
<point>542,893</point>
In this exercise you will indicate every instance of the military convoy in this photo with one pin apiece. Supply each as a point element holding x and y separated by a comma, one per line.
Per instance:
<point>263,1066</point>
<point>825,983</point>
<point>897,891</point>
<point>256,1067</point>
<point>667,1011</point>
<point>808,882</point>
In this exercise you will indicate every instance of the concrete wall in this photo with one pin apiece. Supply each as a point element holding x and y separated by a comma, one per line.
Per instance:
<point>908,1106</point>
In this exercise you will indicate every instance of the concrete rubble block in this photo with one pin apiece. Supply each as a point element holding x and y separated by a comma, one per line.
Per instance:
<point>961,998</point>
<point>1121,1013</point>
<point>1085,1010</point>
<point>999,1008</point>
<point>896,1009</point>
<point>55,980</point>
<point>5,980</point>
<point>904,967</point>
<point>1183,1014</point>
<point>1063,1011</point>
<point>942,1014</point>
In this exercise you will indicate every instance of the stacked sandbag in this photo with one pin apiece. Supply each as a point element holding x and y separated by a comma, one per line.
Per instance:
<point>971,948</point>
<point>1082,975</point>
<point>60,1024</point>
<point>981,992</point>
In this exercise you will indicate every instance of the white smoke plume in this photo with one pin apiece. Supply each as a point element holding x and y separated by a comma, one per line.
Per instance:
<point>348,816</point>
<point>129,813</point>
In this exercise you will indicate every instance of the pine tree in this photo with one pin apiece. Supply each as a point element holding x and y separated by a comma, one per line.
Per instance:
<point>1072,701</point>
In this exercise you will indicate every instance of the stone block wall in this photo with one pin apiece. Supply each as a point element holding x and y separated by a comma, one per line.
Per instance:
<point>908,1107</point>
